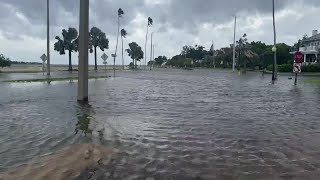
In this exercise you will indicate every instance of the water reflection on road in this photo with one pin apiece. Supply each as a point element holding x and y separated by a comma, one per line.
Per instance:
<point>171,124</point>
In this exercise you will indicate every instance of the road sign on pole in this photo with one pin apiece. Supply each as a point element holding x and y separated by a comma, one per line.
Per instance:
<point>44,59</point>
<point>296,70</point>
<point>298,57</point>
<point>297,67</point>
<point>104,57</point>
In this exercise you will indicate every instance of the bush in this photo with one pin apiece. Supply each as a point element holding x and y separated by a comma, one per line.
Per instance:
<point>311,68</point>
<point>270,67</point>
<point>4,61</point>
<point>289,68</point>
<point>285,68</point>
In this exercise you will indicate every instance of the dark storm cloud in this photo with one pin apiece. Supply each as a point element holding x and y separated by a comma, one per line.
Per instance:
<point>180,14</point>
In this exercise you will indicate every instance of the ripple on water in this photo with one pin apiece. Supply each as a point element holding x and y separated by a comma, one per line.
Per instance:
<point>172,125</point>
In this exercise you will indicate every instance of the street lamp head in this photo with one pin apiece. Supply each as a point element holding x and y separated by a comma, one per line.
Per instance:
<point>274,49</point>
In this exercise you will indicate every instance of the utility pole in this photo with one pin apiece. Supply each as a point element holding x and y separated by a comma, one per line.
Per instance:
<point>83,51</point>
<point>145,48</point>
<point>151,50</point>
<point>48,38</point>
<point>213,62</point>
<point>274,49</point>
<point>234,44</point>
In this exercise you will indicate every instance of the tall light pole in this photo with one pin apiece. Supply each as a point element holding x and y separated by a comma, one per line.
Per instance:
<point>48,38</point>
<point>83,51</point>
<point>234,43</point>
<point>153,51</point>
<point>213,62</point>
<point>151,47</point>
<point>274,49</point>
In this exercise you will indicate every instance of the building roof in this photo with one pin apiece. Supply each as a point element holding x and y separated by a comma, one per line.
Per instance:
<point>313,38</point>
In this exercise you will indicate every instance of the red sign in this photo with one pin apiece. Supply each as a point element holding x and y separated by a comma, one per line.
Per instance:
<point>298,57</point>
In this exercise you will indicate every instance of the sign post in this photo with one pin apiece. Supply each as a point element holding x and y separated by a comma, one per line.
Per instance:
<point>104,57</point>
<point>114,64</point>
<point>298,59</point>
<point>44,59</point>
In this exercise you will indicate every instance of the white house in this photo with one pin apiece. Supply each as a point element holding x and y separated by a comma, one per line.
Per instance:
<point>310,48</point>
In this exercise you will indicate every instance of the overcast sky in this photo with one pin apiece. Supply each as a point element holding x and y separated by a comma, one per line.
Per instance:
<point>176,23</point>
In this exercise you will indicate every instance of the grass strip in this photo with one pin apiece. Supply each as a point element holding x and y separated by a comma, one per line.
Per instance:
<point>50,79</point>
<point>313,81</point>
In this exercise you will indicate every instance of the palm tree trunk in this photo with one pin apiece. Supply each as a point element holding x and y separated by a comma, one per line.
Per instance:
<point>70,63</point>
<point>145,47</point>
<point>117,38</point>
<point>95,59</point>
<point>122,53</point>
<point>133,64</point>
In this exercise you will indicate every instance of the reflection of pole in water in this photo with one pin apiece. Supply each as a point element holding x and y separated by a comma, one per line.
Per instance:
<point>84,118</point>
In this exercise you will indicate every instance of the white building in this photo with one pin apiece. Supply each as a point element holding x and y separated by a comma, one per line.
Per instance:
<point>310,48</point>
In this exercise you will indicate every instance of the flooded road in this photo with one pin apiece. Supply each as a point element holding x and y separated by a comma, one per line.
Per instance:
<point>172,124</point>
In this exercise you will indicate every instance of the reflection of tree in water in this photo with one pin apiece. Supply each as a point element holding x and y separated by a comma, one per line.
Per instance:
<point>84,116</point>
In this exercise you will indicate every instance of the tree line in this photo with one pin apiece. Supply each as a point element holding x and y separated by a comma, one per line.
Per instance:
<point>255,54</point>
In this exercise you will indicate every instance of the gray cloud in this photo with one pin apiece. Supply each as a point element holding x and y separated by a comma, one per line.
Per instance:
<point>181,14</point>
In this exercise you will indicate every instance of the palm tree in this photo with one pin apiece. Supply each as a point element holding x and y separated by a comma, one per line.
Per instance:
<point>135,52</point>
<point>150,22</point>
<point>69,42</point>
<point>120,13</point>
<point>98,39</point>
<point>123,35</point>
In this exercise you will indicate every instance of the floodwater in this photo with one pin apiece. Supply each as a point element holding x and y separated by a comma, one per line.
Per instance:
<point>170,124</point>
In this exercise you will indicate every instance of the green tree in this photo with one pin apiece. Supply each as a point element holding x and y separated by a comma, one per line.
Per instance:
<point>160,60</point>
<point>135,52</point>
<point>180,61</point>
<point>69,42</point>
<point>196,53</point>
<point>120,14</point>
<point>4,61</point>
<point>98,39</point>
<point>123,35</point>
<point>223,57</point>
<point>150,23</point>
<point>283,54</point>
<point>242,45</point>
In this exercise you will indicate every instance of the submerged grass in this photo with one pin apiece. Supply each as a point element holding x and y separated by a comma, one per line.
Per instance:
<point>313,81</point>
<point>51,79</point>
